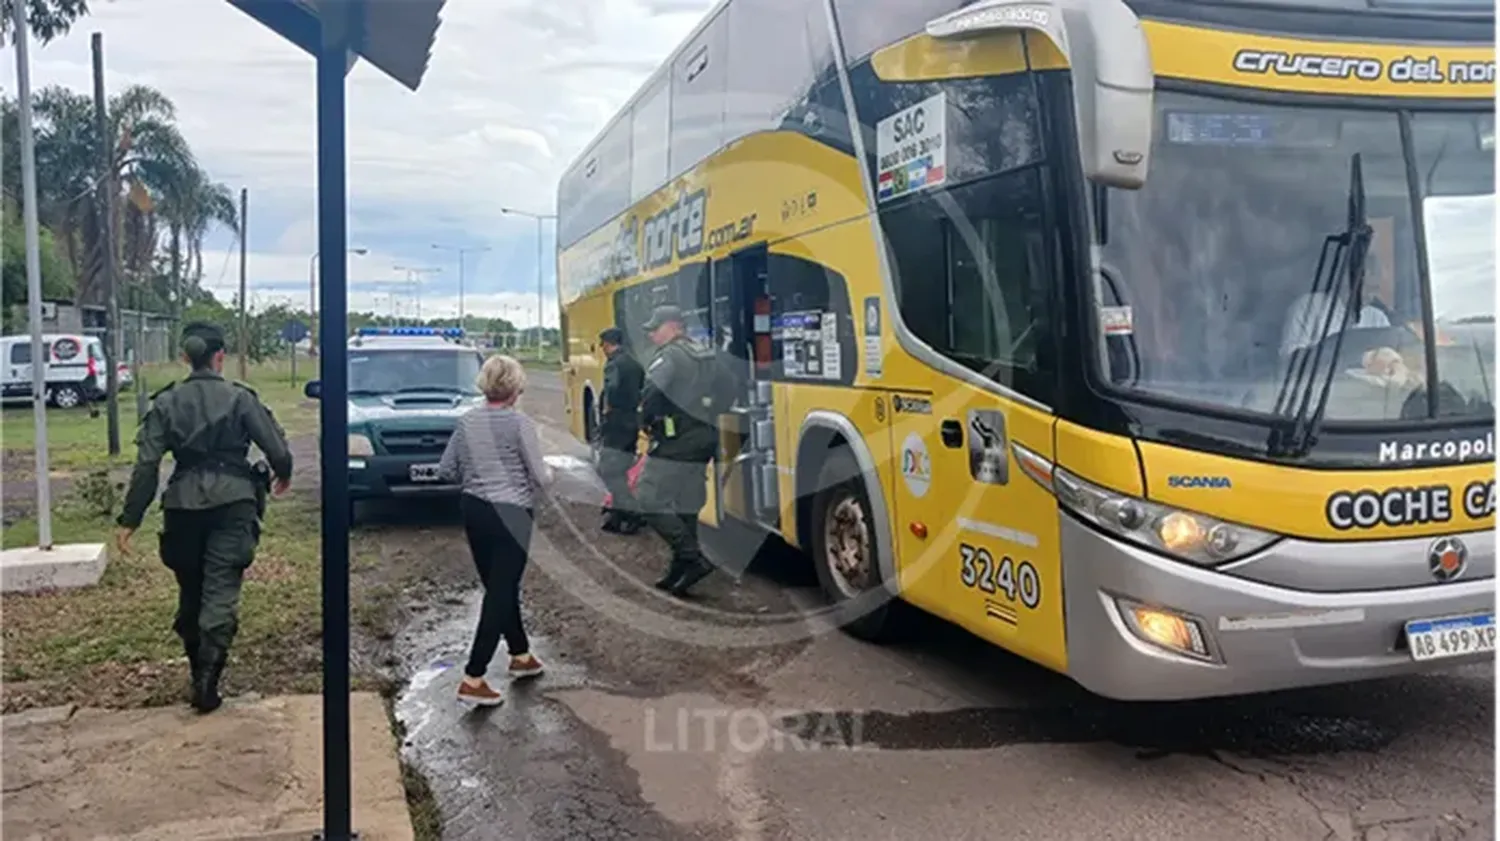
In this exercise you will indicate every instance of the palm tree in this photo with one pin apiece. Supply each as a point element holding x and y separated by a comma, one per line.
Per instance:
<point>146,153</point>
<point>190,205</point>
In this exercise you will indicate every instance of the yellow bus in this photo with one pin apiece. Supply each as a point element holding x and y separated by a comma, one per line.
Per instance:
<point>1101,329</point>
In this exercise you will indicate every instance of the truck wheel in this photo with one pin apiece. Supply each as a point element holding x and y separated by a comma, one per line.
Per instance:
<point>844,553</point>
<point>67,396</point>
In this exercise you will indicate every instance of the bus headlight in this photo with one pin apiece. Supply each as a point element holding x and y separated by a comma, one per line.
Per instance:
<point>359,445</point>
<point>1186,535</point>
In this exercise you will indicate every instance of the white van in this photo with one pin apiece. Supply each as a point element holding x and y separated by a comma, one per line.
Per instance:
<point>74,374</point>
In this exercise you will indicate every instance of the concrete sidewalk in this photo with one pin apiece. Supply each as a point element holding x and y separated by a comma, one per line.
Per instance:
<point>252,770</point>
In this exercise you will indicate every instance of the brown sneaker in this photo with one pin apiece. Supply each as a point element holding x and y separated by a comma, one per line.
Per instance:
<point>479,694</point>
<point>525,666</point>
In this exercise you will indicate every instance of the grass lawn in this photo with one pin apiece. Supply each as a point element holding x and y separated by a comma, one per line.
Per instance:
<point>112,644</point>
<point>77,441</point>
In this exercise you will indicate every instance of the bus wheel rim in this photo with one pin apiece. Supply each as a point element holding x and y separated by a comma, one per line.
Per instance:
<point>847,546</point>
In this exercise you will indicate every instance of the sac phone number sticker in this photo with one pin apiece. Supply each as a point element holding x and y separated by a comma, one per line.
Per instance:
<point>911,150</point>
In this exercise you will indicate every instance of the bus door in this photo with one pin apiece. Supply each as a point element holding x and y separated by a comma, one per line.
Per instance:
<point>746,471</point>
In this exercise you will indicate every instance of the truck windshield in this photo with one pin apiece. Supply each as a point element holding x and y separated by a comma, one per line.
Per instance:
<point>1206,295</point>
<point>392,371</point>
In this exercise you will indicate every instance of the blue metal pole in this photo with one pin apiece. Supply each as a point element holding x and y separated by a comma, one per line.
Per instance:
<point>334,416</point>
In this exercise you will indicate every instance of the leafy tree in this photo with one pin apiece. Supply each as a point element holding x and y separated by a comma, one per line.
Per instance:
<point>57,278</point>
<point>46,19</point>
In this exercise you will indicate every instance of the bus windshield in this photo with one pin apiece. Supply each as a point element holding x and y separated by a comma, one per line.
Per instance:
<point>1207,290</point>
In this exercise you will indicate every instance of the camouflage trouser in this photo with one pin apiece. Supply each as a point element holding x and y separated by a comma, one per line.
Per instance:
<point>614,470</point>
<point>209,550</point>
<point>671,494</point>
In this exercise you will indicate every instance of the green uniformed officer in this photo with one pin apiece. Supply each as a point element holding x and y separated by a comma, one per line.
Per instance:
<point>214,501</point>
<point>619,430</point>
<point>683,439</point>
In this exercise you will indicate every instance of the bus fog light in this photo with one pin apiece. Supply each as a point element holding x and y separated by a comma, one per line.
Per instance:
<point>1166,629</point>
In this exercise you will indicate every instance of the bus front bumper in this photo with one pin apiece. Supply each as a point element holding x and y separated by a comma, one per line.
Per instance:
<point>1257,637</point>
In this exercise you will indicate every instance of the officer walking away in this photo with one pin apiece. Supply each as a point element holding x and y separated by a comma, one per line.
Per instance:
<point>214,501</point>
<point>681,421</point>
<point>619,431</point>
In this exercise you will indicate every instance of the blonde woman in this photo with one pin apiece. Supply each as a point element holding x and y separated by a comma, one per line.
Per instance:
<point>495,455</point>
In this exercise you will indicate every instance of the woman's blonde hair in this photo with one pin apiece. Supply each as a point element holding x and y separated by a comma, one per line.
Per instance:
<point>501,378</point>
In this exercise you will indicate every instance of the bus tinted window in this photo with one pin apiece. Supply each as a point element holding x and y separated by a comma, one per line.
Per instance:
<point>970,268</point>
<point>777,49</point>
<point>991,124</point>
<point>649,132</point>
<point>698,85</point>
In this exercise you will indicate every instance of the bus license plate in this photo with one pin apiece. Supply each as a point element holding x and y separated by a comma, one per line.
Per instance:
<point>424,472</point>
<point>1436,639</point>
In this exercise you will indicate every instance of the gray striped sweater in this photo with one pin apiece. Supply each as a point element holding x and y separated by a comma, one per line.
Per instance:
<point>495,454</point>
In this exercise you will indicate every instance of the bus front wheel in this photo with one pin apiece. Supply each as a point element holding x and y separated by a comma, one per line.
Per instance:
<point>844,552</point>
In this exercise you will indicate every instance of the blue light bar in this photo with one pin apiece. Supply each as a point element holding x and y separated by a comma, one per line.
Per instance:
<point>449,332</point>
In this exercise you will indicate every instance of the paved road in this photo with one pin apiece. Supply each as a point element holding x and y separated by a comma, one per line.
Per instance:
<point>655,722</point>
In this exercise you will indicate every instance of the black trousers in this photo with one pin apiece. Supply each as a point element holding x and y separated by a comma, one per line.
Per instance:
<point>500,540</point>
<point>209,550</point>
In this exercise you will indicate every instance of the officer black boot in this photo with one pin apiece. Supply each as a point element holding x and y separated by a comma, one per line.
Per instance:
<point>694,570</point>
<point>206,686</point>
<point>195,665</point>
<point>674,572</point>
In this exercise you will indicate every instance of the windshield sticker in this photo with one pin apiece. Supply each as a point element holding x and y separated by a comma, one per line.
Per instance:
<point>1394,507</point>
<point>1409,452</point>
<point>1116,321</point>
<point>911,148</point>
<point>916,465</point>
<point>809,344</point>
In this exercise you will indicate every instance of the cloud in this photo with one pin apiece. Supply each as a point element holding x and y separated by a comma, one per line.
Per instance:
<point>514,91</point>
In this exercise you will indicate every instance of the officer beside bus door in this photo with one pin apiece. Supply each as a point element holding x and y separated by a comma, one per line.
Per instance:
<point>619,431</point>
<point>213,503</point>
<point>683,439</point>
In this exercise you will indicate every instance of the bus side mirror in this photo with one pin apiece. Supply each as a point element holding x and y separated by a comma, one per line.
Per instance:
<point>313,389</point>
<point>1110,61</point>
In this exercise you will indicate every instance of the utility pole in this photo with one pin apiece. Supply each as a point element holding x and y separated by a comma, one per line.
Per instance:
<point>539,217</point>
<point>114,344</point>
<point>33,277</point>
<point>414,279</point>
<point>244,302</point>
<point>461,253</point>
<point>312,298</point>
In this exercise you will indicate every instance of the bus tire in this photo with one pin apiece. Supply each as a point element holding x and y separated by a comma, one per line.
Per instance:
<point>843,543</point>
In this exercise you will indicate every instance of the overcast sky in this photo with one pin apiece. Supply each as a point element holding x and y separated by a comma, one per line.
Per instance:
<point>514,91</point>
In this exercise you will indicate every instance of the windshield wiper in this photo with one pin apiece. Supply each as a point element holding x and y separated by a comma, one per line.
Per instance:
<point>1302,383</point>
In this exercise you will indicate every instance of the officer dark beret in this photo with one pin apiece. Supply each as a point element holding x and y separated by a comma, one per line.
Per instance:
<point>210,334</point>
<point>612,335</point>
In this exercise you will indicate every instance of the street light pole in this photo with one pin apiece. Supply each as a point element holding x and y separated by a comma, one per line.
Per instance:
<point>312,296</point>
<point>539,217</point>
<point>414,277</point>
<point>461,253</point>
